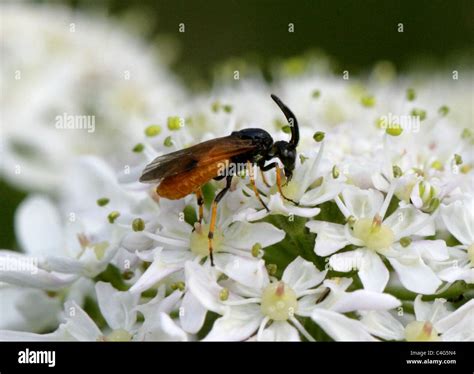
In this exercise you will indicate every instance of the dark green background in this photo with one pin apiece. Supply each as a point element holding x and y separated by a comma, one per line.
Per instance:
<point>355,33</point>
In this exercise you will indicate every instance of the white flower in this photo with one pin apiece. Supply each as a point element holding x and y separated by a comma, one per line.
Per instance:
<point>233,241</point>
<point>250,309</point>
<point>119,309</point>
<point>376,236</point>
<point>458,217</point>
<point>61,61</point>
<point>309,187</point>
<point>433,321</point>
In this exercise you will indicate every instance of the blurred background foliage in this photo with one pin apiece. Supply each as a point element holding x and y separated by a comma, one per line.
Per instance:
<point>355,34</point>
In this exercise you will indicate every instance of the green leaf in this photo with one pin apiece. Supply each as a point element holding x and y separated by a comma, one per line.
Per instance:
<point>113,276</point>
<point>314,330</point>
<point>208,323</point>
<point>93,310</point>
<point>297,242</point>
<point>330,212</point>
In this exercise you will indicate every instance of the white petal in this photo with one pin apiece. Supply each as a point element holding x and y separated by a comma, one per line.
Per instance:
<point>362,203</point>
<point>459,219</point>
<point>78,324</point>
<point>192,314</point>
<point>160,303</point>
<point>331,237</point>
<point>415,275</point>
<point>117,307</point>
<point>347,261</point>
<point>24,271</point>
<point>22,336</point>
<point>28,309</point>
<point>458,325</point>
<point>301,275</point>
<point>278,206</point>
<point>250,272</point>
<point>431,249</point>
<point>362,300</point>
<point>88,265</point>
<point>383,325</point>
<point>373,273</point>
<point>408,220</point>
<point>430,311</point>
<point>455,273</point>
<point>204,287</point>
<point>136,241</point>
<point>243,235</point>
<point>238,324</point>
<point>340,327</point>
<point>280,331</point>
<point>153,274</point>
<point>162,328</point>
<point>38,227</point>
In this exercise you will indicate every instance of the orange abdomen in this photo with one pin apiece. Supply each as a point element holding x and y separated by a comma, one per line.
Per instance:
<point>182,184</point>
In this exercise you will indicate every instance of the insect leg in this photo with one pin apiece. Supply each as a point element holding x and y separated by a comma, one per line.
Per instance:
<point>264,179</point>
<point>254,186</point>
<point>278,175</point>
<point>200,202</point>
<point>212,224</point>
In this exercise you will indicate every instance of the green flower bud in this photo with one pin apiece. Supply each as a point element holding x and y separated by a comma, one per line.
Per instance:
<point>153,130</point>
<point>457,159</point>
<point>272,269</point>
<point>103,201</point>
<point>224,294</point>
<point>437,165</point>
<point>405,241</point>
<point>168,142</point>
<point>175,123</point>
<point>113,216</point>
<point>178,286</point>
<point>411,94</point>
<point>286,129</point>
<point>394,129</point>
<point>138,224</point>
<point>443,110</point>
<point>368,101</point>
<point>138,148</point>
<point>256,249</point>
<point>319,136</point>
<point>227,108</point>
<point>421,113</point>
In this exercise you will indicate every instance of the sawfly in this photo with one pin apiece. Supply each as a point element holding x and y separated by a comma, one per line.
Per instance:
<point>183,172</point>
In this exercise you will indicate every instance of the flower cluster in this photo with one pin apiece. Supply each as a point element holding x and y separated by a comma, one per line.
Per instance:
<point>379,247</point>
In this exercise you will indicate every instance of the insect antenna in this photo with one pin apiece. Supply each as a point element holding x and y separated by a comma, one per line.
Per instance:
<point>295,131</point>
